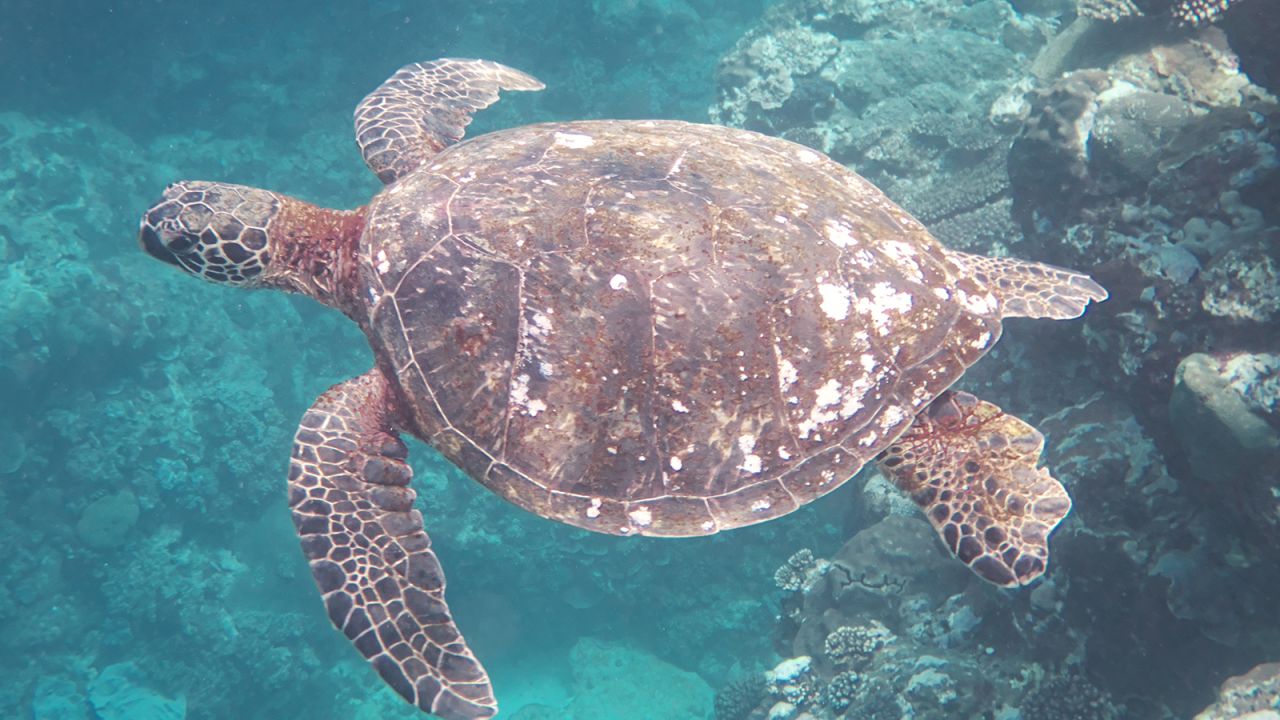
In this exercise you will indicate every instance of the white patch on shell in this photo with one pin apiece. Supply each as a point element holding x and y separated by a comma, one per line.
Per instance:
<point>540,325</point>
<point>576,141</point>
<point>863,258</point>
<point>831,394</point>
<point>760,505</point>
<point>676,463</point>
<point>383,263</point>
<point>835,301</point>
<point>750,461</point>
<point>981,342</point>
<point>593,512</point>
<point>942,293</point>
<point>839,234</point>
<point>884,299</point>
<point>679,406</point>
<point>919,395</point>
<point>641,516</point>
<point>708,525</point>
<point>618,282</point>
<point>520,396</point>
<point>904,255</point>
<point>889,298</point>
<point>807,157</point>
<point>984,304</point>
<point>782,453</point>
<point>828,394</point>
<point>787,374</point>
<point>892,416</point>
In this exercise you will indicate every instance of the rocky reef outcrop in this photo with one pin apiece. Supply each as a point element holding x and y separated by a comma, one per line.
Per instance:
<point>1142,148</point>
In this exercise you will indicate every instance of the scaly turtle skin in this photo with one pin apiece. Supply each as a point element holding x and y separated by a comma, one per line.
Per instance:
<point>638,328</point>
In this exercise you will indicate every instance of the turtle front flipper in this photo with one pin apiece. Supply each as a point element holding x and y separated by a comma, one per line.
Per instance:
<point>426,107</point>
<point>972,469</point>
<point>370,555</point>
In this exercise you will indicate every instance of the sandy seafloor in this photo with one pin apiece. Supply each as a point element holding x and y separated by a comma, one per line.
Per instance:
<point>151,571</point>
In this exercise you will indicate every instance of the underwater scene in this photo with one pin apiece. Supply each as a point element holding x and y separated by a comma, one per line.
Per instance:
<point>685,359</point>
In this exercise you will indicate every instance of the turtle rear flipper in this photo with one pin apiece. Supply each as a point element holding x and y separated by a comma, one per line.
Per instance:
<point>370,556</point>
<point>1032,289</point>
<point>426,107</point>
<point>972,469</point>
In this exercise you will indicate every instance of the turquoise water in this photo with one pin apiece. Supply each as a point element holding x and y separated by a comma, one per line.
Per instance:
<point>146,418</point>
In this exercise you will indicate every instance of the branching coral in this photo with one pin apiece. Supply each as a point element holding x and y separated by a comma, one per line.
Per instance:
<point>839,693</point>
<point>1186,12</point>
<point>1111,10</point>
<point>736,700</point>
<point>855,645</point>
<point>796,572</point>
<point>1195,12</point>
<point>1067,697</point>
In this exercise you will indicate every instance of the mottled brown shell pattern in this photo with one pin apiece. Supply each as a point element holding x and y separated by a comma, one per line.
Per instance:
<point>660,328</point>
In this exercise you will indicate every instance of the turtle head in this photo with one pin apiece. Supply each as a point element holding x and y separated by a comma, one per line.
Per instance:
<point>247,237</point>
<point>217,231</point>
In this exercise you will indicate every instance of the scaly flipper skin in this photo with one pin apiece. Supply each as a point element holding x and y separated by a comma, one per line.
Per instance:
<point>370,556</point>
<point>972,469</point>
<point>1032,289</point>
<point>425,107</point>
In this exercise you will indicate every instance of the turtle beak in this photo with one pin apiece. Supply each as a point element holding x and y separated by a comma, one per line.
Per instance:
<point>155,248</point>
<point>163,214</point>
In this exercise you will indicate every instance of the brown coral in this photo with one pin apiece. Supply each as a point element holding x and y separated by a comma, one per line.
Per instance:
<point>1111,10</point>
<point>1195,12</point>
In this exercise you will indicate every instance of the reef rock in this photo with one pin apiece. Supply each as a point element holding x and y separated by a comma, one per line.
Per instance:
<point>1220,409</point>
<point>899,91</point>
<point>1224,410</point>
<point>106,522</point>
<point>118,693</point>
<point>57,698</point>
<point>615,680</point>
<point>1252,696</point>
<point>1157,160</point>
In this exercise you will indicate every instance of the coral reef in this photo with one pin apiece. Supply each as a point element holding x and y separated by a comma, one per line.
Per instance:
<point>1137,149</point>
<point>1068,697</point>
<point>1185,12</point>
<point>614,680</point>
<point>1194,12</point>
<point>740,696</point>
<point>1254,695</point>
<point>854,646</point>
<point>117,693</point>
<point>800,569</point>
<point>811,72</point>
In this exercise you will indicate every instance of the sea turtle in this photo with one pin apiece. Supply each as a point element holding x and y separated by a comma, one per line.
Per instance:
<point>634,327</point>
